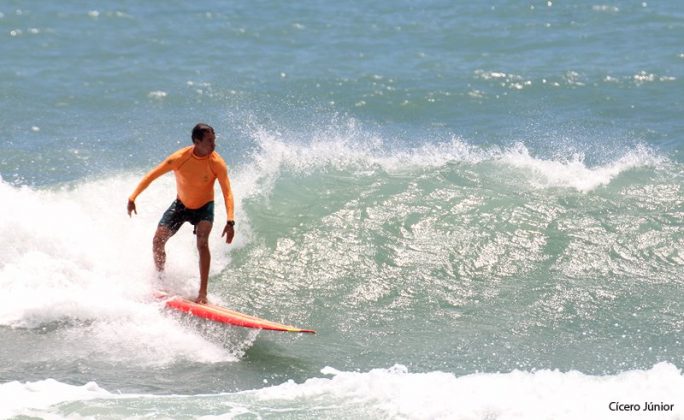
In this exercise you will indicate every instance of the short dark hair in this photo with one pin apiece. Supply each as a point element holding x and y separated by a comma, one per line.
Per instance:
<point>200,130</point>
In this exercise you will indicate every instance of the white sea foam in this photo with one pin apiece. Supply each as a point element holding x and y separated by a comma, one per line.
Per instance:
<point>350,149</point>
<point>385,393</point>
<point>396,393</point>
<point>605,8</point>
<point>574,172</point>
<point>32,398</point>
<point>157,94</point>
<point>72,256</point>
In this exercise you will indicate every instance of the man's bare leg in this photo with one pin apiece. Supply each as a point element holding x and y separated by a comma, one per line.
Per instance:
<point>203,230</point>
<point>159,247</point>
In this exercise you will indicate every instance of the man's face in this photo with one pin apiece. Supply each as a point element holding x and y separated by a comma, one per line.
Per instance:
<point>206,145</point>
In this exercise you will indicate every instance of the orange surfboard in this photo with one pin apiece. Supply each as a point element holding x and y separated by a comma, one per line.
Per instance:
<point>227,316</point>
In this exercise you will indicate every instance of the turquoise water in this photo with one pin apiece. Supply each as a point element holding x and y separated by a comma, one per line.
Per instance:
<point>478,206</point>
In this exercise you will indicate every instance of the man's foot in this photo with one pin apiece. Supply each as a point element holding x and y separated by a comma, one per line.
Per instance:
<point>159,282</point>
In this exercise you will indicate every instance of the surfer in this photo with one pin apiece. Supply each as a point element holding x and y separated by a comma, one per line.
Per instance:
<point>196,168</point>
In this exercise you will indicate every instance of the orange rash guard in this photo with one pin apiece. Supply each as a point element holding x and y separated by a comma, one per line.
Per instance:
<point>195,178</point>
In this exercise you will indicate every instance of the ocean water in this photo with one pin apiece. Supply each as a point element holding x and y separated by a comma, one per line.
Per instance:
<point>479,206</point>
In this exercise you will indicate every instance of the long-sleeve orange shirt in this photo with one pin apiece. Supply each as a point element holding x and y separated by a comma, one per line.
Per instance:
<point>195,177</point>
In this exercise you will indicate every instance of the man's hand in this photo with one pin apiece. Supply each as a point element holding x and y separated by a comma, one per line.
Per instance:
<point>202,299</point>
<point>131,208</point>
<point>229,233</point>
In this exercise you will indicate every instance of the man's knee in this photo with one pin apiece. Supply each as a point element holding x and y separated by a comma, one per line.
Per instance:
<point>160,237</point>
<point>203,230</point>
<point>203,245</point>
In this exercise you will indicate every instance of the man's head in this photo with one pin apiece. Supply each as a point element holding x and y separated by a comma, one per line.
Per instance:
<point>204,139</point>
<point>200,130</point>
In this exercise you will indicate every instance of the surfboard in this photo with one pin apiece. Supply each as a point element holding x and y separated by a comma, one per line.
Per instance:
<point>224,315</point>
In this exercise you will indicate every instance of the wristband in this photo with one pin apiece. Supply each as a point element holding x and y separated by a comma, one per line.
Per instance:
<point>230,223</point>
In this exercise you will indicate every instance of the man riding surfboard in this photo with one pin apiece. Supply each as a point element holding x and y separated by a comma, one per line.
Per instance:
<point>196,169</point>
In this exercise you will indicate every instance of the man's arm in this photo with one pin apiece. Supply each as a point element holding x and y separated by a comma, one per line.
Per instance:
<point>221,170</point>
<point>224,182</point>
<point>166,166</point>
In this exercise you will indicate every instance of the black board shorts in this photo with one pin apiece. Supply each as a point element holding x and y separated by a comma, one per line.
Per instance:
<point>177,214</point>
